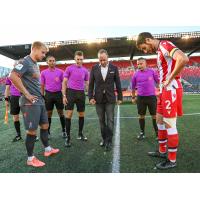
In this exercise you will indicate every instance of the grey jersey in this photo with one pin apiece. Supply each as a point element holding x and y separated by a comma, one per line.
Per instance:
<point>30,76</point>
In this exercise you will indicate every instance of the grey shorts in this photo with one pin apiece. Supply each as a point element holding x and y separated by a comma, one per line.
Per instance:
<point>33,116</point>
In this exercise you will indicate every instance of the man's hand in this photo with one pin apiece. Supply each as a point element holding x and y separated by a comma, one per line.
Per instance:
<point>31,98</point>
<point>119,102</point>
<point>92,101</point>
<point>134,101</point>
<point>65,101</point>
<point>166,83</point>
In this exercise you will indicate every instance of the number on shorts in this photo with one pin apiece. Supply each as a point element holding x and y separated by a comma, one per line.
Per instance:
<point>168,107</point>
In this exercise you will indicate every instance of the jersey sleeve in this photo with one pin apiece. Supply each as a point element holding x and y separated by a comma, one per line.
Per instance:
<point>155,76</point>
<point>8,82</point>
<point>133,82</point>
<point>21,68</point>
<point>169,48</point>
<point>61,75</point>
<point>86,75</point>
<point>66,73</point>
<point>42,78</point>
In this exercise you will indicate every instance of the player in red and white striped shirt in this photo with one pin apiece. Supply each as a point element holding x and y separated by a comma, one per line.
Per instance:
<point>170,61</point>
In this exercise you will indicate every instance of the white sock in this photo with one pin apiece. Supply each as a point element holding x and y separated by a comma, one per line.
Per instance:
<point>47,149</point>
<point>30,158</point>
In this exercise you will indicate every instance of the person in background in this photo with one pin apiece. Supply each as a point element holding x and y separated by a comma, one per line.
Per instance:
<point>145,80</point>
<point>51,86</point>
<point>12,95</point>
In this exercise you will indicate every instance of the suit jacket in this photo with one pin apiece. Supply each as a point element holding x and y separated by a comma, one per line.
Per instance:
<point>97,85</point>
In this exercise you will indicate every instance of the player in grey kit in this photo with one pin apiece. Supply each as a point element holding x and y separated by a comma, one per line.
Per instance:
<point>26,78</point>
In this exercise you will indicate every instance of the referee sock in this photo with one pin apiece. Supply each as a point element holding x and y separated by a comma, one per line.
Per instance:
<point>17,128</point>
<point>49,120</point>
<point>44,137</point>
<point>68,127</point>
<point>142,124</point>
<point>30,141</point>
<point>62,121</point>
<point>155,126</point>
<point>81,124</point>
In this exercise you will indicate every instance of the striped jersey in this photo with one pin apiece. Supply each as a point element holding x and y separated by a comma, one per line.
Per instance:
<point>166,63</point>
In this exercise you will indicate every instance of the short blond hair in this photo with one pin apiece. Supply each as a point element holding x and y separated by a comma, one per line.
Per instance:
<point>38,45</point>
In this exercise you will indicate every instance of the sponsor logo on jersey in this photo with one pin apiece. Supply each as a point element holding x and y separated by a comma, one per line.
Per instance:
<point>19,66</point>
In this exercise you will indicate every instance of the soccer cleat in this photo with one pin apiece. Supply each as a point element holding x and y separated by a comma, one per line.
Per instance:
<point>35,162</point>
<point>67,143</point>
<point>157,154</point>
<point>49,153</point>
<point>167,164</point>
<point>64,134</point>
<point>141,136</point>
<point>17,138</point>
<point>82,137</point>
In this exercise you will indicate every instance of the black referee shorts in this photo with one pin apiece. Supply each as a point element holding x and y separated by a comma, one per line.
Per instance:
<point>53,98</point>
<point>75,97</point>
<point>146,101</point>
<point>14,105</point>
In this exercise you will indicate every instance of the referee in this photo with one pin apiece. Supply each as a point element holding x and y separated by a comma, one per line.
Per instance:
<point>51,85</point>
<point>144,80</point>
<point>12,95</point>
<point>75,78</point>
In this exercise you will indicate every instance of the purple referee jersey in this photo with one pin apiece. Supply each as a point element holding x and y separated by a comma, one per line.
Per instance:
<point>13,90</point>
<point>52,79</point>
<point>76,76</point>
<point>145,81</point>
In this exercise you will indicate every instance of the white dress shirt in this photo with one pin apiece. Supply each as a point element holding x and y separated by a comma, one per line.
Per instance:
<point>104,71</point>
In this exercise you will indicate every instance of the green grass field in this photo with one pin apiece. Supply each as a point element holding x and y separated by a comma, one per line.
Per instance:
<point>90,157</point>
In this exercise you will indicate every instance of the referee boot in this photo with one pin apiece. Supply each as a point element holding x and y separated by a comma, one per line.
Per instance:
<point>67,142</point>
<point>141,136</point>
<point>81,137</point>
<point>17,138</point>
<point>64,134</point>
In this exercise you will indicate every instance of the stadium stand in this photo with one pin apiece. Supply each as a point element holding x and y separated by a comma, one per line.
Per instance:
<point>190,75</point>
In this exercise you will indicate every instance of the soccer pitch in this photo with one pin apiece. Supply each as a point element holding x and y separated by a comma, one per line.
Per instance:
<point>130,156</point>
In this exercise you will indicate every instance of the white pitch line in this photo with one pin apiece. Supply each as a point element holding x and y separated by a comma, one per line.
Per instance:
<point>116,149</point>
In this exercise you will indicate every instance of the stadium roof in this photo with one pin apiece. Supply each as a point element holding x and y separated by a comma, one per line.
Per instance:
<point>116,47</point>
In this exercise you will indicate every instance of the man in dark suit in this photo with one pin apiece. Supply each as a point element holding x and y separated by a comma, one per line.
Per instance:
<point>103,79</point>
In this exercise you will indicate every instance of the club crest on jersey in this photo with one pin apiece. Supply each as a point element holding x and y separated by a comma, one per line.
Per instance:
<point>19,66</point>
